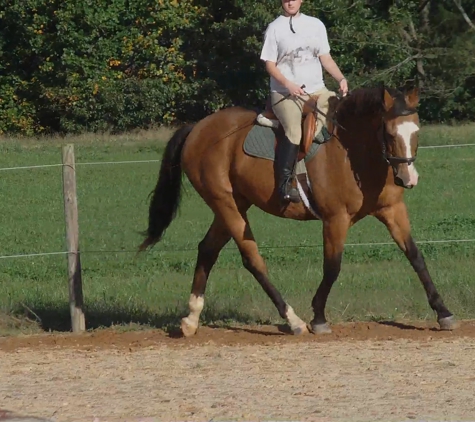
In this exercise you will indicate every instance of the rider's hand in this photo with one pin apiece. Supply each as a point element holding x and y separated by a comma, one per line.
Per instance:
<point>343,87</point>
<point>294,89</point>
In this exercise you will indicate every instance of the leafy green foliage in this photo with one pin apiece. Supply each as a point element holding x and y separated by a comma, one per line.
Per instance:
<point>116,65</point>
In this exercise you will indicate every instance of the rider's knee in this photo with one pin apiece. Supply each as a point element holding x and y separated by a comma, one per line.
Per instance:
<point>294,134</point>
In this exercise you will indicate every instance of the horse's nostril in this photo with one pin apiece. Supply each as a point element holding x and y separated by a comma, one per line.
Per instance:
<point>399,182</point>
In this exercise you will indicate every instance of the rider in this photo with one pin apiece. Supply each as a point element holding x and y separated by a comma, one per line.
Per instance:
<point>295,49</point>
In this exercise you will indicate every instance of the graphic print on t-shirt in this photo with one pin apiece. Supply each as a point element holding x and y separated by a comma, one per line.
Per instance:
<point>298,57</point>
<point>296,54</point>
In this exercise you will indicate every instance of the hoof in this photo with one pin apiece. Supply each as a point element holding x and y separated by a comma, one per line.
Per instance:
<point>302,329</point>
<point>187,328</point>
<point>321,328</point>
<point>448,323</point>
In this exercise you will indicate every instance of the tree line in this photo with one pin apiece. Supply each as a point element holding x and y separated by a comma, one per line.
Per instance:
<point>118,65</point>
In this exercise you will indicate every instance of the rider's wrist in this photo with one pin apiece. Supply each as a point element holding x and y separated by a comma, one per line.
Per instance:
<point>341,80</point>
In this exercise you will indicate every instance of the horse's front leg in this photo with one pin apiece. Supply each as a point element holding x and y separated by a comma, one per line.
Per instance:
<point>396,220</point>
<point>334,236</point>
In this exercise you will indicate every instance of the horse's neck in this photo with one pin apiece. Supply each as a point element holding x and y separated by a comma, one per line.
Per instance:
<point>359,139</point>
<point>358,145</point>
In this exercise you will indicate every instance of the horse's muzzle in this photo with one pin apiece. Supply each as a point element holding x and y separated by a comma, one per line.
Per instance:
<point>406,175</point>
<point>399,182</point>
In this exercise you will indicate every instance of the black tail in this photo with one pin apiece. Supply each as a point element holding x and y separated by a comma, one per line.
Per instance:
<point>167,194</point>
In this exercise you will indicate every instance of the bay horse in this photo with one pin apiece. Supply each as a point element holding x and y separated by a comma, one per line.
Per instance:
<point>361,170</point>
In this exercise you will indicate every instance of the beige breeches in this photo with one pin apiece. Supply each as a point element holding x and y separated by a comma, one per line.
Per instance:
<point>289,112</point>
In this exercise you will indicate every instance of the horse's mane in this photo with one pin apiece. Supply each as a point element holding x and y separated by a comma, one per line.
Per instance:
<point>367,101</point>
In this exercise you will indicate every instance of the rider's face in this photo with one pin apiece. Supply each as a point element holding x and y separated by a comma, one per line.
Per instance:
<point>291,7</point>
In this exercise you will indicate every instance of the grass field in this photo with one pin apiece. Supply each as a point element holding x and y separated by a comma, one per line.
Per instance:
<point>376,282</point>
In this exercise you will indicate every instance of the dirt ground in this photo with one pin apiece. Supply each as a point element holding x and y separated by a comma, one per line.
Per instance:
<point>361,372</point>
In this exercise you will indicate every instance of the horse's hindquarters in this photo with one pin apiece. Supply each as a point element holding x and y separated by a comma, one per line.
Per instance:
<point>209,150</point>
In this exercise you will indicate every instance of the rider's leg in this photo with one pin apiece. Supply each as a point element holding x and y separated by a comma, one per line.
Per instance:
<point>323,96</point>
<point>289,113</point>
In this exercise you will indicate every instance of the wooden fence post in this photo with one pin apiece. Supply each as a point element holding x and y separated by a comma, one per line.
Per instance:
<point>72,239</point>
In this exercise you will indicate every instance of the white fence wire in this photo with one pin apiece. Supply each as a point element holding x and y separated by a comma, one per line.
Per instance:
<point>96,163</point>
<point>419,242</point>
<point>30,255</point>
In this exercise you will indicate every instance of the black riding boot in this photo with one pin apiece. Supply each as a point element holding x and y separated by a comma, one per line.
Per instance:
<point>285,160</point>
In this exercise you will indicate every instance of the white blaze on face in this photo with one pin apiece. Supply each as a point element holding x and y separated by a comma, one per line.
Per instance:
<point>405,131</point>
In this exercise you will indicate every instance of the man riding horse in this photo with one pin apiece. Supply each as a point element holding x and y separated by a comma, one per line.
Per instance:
<point>295,49</point>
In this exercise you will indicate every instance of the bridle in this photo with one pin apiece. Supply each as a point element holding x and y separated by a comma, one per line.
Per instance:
<point>383,139</point>
<point>382,133</point>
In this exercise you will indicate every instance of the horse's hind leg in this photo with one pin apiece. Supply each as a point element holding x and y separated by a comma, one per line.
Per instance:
<point>396,220</point>
<point>237,224</point>
<point>208,252</point>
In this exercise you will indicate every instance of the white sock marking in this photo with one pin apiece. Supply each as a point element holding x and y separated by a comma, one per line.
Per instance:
<point>196,304</point>
<point>294,321</point>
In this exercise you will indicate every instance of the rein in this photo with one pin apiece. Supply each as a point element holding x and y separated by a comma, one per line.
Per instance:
<point>382,136</point>
<point>382,133</point>
<point>333,119</point>
<point>316,110</point>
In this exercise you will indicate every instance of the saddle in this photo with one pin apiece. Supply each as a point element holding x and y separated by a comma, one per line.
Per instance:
<point>309,124</point>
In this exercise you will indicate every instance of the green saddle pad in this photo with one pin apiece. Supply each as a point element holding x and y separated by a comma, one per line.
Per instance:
<point>260,142</point>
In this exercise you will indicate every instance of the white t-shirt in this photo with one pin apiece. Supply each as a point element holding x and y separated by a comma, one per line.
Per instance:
<point>296,55</point>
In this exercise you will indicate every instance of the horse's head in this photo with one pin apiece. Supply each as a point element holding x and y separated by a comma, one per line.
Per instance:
<point>398,135</point>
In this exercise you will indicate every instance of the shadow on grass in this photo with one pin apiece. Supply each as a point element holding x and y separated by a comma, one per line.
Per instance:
<point>55,317</point>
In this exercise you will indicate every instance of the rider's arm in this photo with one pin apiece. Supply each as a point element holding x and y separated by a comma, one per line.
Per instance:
<point>331,67</point>
<point>269,55</point>
<point>293,89</point>
<point>273,71</point>
<point>325,56</point>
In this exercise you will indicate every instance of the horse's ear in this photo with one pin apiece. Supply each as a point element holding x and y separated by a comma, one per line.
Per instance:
<point>388,100</point>
<point>412,97</point>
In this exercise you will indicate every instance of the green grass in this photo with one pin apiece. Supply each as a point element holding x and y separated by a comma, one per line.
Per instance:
<point>376,282</point>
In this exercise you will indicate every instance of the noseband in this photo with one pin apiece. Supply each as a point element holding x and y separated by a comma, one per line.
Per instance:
<point>394,160</point>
